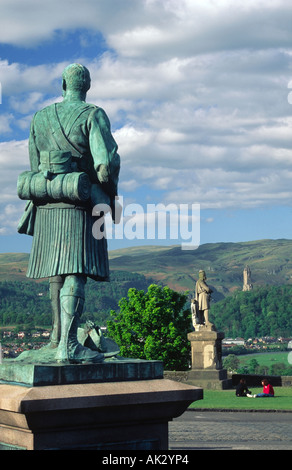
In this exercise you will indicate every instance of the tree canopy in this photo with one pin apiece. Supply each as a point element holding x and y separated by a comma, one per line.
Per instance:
<point>264,311</point>
<point>153,325</point>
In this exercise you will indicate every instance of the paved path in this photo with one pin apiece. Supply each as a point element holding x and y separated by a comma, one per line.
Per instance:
<point>228,430</point>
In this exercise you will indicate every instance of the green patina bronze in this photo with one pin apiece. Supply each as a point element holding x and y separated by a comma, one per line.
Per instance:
<point>74,166</point>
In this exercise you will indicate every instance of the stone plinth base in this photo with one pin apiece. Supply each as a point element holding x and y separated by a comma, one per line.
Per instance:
<point>206,349</point>
<point>207,369</point>
<point>97,416</point>
<point>209,379</point>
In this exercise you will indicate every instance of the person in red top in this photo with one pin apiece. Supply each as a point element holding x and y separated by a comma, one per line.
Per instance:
<point>268,390</point>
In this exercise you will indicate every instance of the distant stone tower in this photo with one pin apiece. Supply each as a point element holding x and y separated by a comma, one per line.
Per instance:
<point>247,285</point>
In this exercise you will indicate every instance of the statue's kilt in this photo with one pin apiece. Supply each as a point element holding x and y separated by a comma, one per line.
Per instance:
<point>63,243</point>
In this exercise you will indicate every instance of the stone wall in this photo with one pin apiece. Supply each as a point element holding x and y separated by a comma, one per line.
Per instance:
<point>252,380</point>
<point>177,375</point>
<point>255,380</point>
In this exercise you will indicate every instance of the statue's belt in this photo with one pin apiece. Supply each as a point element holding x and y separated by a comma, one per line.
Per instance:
<point>55,162</point>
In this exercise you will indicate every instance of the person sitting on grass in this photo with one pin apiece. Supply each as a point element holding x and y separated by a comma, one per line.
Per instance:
<point>241,389</point>
<point>268,390</point>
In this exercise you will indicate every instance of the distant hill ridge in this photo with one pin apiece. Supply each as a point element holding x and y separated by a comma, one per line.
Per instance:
<point>270,262</point>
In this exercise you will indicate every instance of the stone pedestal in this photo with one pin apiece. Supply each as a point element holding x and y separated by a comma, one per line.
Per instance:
<point>206,351</point>
<point>131,414</point>
<point>209,379</point>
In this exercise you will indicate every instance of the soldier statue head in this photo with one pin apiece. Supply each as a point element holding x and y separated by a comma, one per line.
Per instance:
<point>76,78</point>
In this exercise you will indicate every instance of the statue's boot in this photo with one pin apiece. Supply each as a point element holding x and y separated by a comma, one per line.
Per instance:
<point>56,284</point>
<point>72,301</point>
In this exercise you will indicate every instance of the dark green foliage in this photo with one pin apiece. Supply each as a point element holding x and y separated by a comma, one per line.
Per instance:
<point>27,303</point>
<point>231,363</point>
<point>264,311</point>
<point>153,325</point>
<point>102,297</point>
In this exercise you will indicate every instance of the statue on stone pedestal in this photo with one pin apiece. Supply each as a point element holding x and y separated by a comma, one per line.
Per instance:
<point>200,305</point>
<point>74,166</point>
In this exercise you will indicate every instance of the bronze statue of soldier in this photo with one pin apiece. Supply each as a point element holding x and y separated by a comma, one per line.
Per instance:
<point>74,166</point>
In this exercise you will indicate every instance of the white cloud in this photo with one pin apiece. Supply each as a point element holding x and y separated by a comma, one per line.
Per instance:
<point>13,160</point>
<point>131,140</point>
<point>158,28</point>
<point>10,215</point>
<point>185,28</point>
<point>19,78</point>
<point>197,93</point>
<point>5,123</point>
<point>32,22</point>
<point>128,185</point>
<point>31,102</point>
<point>14,154</point>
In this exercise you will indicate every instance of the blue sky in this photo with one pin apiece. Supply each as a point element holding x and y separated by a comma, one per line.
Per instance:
<point>197,93</point>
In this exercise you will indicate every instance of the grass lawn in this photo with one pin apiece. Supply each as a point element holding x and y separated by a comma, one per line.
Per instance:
<point>265,359</point>
<point>226,399</point>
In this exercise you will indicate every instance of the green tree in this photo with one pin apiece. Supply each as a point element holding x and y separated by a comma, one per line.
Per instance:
<point>231,363</point>
<point>242,370</point>
<point>264,311</point>
<point>279,368</point>
<point>263,370</point>
<point>253,366</point>
<point>153,325</point>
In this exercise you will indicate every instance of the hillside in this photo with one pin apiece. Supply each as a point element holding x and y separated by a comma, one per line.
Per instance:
<point>28,302</point>
<point>13,266</point>
<point>270,262</point>
<point>264,311</point>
